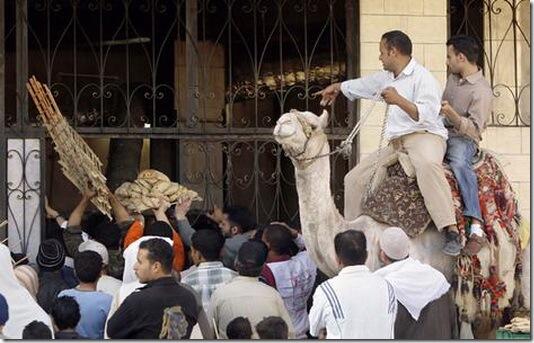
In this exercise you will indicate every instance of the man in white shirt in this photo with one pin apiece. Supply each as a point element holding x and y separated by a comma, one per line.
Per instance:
<point>425,308</point>
<point>356,304</point>
<point>413,124</point>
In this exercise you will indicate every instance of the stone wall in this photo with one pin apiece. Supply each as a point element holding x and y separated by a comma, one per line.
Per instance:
<point>425,21</point>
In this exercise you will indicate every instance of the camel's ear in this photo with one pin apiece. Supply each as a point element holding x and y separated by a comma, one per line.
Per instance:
<point>323,119</point>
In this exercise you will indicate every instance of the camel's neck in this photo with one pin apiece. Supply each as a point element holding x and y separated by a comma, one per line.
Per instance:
<point>316,203</point>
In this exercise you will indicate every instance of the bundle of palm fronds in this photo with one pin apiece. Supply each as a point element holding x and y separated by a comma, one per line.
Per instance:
<point>78,162</point>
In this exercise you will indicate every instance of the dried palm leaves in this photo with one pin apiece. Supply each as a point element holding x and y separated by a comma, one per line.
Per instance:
<point>78,162</point>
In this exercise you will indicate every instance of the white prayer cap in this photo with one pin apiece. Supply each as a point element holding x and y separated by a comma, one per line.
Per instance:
<point>395,243</point>
<point>97,247</point>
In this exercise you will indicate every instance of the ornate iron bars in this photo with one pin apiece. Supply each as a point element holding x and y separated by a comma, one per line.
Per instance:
<point>502,28</point>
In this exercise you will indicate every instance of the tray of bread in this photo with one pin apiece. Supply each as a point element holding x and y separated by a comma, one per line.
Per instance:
<point>150,187</point>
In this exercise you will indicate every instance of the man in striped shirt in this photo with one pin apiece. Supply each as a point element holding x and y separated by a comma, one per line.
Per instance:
<point>355,304</point>
<point>206,246</point>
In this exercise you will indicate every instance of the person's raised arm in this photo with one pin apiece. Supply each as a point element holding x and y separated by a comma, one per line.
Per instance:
<point>119,211</point>
<point>75,218</point>
<point>53,214</point>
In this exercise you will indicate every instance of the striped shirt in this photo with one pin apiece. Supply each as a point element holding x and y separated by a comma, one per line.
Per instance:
<point>206,278</point>
<point>354,305</point>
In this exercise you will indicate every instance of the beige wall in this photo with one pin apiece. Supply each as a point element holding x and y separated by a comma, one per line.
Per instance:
<point>425,21</point>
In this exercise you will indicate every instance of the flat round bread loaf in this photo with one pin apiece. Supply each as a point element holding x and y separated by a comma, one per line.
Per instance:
<point>145,192</point>
<point>153,173</point>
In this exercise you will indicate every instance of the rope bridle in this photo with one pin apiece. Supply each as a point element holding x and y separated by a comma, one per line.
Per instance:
<point>344,147</point>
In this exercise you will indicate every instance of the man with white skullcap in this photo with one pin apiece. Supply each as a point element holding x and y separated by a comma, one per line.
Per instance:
<point>425,308</point>
<point>106,283</point>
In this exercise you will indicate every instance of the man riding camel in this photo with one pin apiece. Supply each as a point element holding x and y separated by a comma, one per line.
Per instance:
<point>413,124</point>
<point>466,105</point>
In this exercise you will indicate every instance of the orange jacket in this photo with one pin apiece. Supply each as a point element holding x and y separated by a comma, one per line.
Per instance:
<point>136,231</point>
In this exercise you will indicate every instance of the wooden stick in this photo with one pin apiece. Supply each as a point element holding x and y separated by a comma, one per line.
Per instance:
<point>20,261</point>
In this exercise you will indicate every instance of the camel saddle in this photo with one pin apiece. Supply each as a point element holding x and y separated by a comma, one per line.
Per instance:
<point>395,198</point>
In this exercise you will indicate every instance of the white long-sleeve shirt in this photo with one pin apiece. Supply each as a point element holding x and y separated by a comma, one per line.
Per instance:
<point>414,83</point>
<point>355,304</point>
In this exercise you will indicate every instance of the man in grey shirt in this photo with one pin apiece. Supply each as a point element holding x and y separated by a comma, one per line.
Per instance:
<point>236,223</point>
<point>466,106</point>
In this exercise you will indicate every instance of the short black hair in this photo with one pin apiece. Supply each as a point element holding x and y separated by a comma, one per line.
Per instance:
<point>351,247</point>
<point>272,328</point>
<point>239,328</point>
<point>241,217</point>
<point>279,239</point>
<point>65,312</point>
<point>399,40</point>
<point>102,230</point>
<point>251,257</point>
<point>159,228</point>
<point>466,45</point>
<point>159,251</point>
<point>36,330</point>
<point>88,266</point>
<point>209,243</point>
<point>200,221</point>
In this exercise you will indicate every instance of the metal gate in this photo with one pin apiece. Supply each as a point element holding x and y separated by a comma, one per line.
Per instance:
<point>203,81</point>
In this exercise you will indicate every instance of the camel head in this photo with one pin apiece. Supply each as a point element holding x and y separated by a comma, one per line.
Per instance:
<point>301,133</point>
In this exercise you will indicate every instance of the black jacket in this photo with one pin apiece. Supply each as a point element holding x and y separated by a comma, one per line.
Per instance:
<point>140,315</point>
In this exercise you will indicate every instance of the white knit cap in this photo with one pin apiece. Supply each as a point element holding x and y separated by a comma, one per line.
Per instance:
<point>395,243</point>
<point>97,247</point>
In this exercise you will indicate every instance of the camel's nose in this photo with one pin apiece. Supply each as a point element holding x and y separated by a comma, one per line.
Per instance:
<point>283,131</point>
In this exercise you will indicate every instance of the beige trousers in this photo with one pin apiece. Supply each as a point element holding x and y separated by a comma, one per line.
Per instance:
<point>426,152</point>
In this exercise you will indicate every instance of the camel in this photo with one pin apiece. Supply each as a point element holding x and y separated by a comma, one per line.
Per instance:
<point>302,138</point>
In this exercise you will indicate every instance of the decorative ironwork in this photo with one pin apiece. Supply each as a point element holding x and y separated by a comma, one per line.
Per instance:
<point>23,195</point>
<point>195,72</point>
<point>502,27</point>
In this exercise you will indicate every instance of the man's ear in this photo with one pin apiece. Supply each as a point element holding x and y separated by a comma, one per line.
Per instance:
<point>234,230</point>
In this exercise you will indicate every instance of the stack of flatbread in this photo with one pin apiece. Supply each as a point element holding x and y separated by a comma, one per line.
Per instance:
<point>150,187</point>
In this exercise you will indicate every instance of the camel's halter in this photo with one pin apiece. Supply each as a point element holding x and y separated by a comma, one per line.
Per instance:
<point>345,147</point>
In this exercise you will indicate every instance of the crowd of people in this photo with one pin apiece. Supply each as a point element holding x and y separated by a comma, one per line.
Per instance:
<point>233,279</point>
<point>176,273</point>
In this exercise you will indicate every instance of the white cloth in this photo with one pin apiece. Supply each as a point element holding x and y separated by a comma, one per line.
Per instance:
<point>294,281</point>
<point>355,304</point>
<point>108,285</point>
<point>415,284</point>
<point>97,247</point>
<point>414,83</point>
<point>22,307</point>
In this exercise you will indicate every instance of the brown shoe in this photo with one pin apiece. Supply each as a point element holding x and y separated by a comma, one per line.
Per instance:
<point>474,244</point>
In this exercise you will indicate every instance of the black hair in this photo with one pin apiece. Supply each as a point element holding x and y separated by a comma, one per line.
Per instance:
<point>279,239</point>
<point>103,231</point>
<point>209,243</point>
<point>159,251</point>
<point>272,328</point>
<point>251,257</point>
<point>241,217</point>
<point>200,221</point>
<point>399,40</point>
<point>466,45</point>
<point>88,266</point>
<point>239,328</point>
<point>36,330</point>
<point>159,228</point>
<point>66,312</point>
<point>351,247</point>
